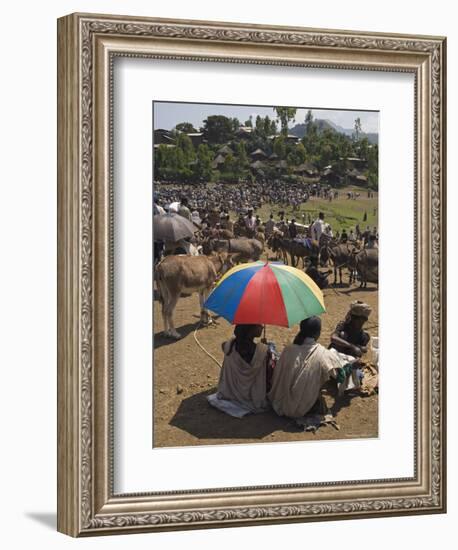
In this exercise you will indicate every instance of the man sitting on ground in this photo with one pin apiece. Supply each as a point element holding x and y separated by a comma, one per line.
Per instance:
<point>349,336</point>
<point>320,278</point>
<point>302,370</point>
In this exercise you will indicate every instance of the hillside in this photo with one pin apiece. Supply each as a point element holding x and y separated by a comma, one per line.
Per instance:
<point>299,130</point>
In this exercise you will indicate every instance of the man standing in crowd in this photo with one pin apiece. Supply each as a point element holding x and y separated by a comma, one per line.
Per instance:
<point>269,226</point>
<point>318,227</point>
<point>250,223</point>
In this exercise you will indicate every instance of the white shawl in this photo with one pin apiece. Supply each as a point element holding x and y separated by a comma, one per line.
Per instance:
<point>242,382</point>
<point>298,377</point>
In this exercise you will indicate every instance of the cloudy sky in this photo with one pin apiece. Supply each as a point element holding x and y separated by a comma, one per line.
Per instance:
<point>168,114</point>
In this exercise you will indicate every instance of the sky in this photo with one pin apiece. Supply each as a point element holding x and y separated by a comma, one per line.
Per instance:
<point>168,114</point>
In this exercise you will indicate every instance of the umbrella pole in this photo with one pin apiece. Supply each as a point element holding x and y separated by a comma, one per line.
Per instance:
<point>265,333</point>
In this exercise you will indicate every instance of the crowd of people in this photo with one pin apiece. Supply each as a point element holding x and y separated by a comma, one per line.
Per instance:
<point>239,197</point>
<point>254,379</point>
<point>248,224</point>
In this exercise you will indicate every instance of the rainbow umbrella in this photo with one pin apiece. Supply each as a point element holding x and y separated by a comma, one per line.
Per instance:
<point>266,294</point>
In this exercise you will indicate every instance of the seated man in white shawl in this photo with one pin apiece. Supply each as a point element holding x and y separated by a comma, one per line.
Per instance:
<point>302,370</point>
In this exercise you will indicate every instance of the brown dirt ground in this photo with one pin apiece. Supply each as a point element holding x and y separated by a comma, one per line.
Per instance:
<point>183,375</point>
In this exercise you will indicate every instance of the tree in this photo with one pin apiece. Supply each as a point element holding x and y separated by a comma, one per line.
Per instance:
<point>357,129</point>
<point>230,164</point>
<point>242,158</point>
<point>203,167</point>
<point>267,126</point>
<point>185,127</point>
<point>364,146</point>
<point>280,147</point>
<point>273,128</point>
<point>262,128</point>
<point>185,144</point>
<point>308,122</point>
<point>218,129</point>
<point>249,122</point>
<point>285,114</point>
<point>372,167</point>
<point>297,155</point>
<point>235,124</point>
<point>259,126</point>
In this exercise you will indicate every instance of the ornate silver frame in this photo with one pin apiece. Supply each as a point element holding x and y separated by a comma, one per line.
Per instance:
<point>87,44</point>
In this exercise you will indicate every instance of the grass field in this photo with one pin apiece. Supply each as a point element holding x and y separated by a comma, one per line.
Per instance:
<point>339,213</point>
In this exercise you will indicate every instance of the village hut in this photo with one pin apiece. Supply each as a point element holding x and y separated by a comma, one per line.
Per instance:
<point>258,155</point>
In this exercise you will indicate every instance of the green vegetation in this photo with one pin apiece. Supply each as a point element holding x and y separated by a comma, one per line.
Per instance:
<point>230,153</point>
<point>341,213</point>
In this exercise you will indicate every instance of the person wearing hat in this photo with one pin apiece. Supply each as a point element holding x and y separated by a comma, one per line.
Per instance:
<point>349,336</point>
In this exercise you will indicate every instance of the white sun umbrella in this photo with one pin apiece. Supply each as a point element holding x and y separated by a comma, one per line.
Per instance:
<point>172,227</point>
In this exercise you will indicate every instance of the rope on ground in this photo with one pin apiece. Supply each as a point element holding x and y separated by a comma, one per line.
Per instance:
<point>335,291</point>
<point>203,349</point>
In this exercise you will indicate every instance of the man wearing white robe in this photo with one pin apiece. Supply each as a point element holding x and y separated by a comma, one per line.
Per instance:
<point>302,370</point>
<point>318,227</point>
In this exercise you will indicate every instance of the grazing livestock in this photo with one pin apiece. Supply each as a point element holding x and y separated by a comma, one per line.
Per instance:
<point>175,275</point>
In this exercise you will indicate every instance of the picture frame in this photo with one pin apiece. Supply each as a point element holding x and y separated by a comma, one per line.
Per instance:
<point>87,46</point>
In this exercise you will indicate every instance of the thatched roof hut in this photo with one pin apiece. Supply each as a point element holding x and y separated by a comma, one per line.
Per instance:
<point>217,161</point>
<point>258,155</point>
<point>225,150</point>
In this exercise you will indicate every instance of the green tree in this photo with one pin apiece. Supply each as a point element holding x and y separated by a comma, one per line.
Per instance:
<point>273,128</point>
<point>357,129</point>
<point>280,147</point>
<point>372,167</point>
<point>363,149</point>
<point>235,124</point>
<point>218,129</point>
<point>203,167</point>
<point>249,122</point>
<point>259,127</point>
<point>308,121</point>
<point>185,144</point>
<point>267,126</point>
<point>185,127</point>
<point>285,114</point>
<point>297,155</point>
<point>242,158</point>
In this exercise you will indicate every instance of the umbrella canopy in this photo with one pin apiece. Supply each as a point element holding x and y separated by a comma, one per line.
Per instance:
<point>172,227</point>
<point>266,293</point>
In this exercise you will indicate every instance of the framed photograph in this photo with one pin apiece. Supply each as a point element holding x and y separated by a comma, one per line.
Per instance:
<point>251,276</point>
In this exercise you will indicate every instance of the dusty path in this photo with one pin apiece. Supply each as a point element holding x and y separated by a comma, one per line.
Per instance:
<point>184,376</point>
